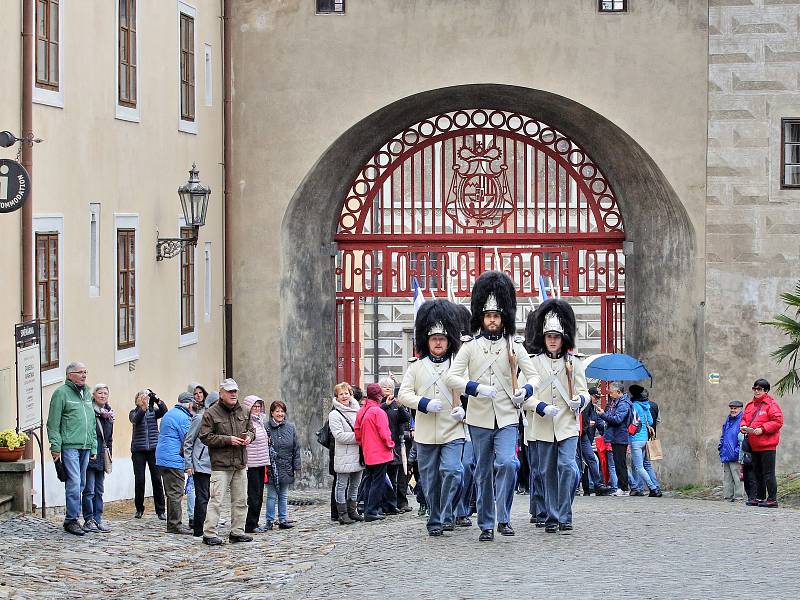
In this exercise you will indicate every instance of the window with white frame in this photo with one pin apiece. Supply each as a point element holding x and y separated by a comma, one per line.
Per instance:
<point>612,6</point>
<point>330,7</point>
<point>48,64</point>
<point>187,16</point>
<point>126,234</point>
<point>790,153</point>
<point>94,250</point>
<point>187,274</point>
<point>47,259</point>
<point>127,61</point>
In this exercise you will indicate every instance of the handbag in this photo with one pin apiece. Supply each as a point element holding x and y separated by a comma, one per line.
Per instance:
<point>635,424</point>
<point>653,448</point>
<point>107,460</point>
<point>324,435</point>
<point>747,450</point>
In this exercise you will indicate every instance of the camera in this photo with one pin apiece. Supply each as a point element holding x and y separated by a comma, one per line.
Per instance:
<point>154,399</point>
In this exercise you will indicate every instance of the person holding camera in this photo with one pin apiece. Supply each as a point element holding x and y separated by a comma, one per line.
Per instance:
<point>149,409</point>
<point>761,424</point>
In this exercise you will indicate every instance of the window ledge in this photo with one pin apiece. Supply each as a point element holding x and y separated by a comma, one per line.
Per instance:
<point>125,113</point>
<point>188,126</point>
<point>48,97</point>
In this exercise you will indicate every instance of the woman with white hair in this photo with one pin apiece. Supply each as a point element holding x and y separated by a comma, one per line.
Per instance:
<point>617,415</point>
<point>92,499</point>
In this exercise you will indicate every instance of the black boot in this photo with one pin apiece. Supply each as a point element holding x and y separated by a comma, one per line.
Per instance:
<point>344,519</point>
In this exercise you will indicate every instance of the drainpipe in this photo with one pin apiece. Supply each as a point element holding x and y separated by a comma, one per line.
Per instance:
<point>27,158</point>
<point>227,160</point>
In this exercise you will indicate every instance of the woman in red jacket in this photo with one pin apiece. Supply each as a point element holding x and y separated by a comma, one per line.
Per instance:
<point>372,432</point>
<point>761,423</point>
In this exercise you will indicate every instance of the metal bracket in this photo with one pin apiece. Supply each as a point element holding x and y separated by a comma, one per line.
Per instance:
<point>172,247</point>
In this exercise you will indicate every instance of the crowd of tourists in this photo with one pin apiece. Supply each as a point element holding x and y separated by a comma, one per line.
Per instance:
<point>480,413</point>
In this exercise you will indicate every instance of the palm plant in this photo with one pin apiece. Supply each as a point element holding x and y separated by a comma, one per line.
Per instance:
<point>789,352</point>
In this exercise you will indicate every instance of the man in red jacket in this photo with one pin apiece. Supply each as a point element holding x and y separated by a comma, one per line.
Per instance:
<point>761,423</point>
<point>372,432</point>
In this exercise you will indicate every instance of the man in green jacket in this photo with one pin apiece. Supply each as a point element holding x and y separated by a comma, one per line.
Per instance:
<point>73,438</point>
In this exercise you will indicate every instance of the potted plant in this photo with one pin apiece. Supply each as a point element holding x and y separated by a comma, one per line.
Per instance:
<point>12,445</point>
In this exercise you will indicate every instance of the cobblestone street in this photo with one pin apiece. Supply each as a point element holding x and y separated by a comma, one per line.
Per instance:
<point>621,548</point>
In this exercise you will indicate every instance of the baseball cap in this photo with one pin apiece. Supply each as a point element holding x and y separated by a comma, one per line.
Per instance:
<point>228,385</point>
<point>185,398</point>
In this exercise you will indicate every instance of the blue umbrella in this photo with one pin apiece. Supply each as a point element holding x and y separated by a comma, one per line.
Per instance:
<point>617,367</point>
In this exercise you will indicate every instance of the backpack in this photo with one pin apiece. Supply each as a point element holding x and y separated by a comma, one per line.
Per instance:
<point>324,435</point>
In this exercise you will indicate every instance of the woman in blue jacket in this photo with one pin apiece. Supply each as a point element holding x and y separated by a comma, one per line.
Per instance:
<point>617,415</point>
<point>638,441</point>
<point>729,446</point>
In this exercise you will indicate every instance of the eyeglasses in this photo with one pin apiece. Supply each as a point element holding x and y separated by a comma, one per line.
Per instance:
<point>758,389</point>
<point>79,372</point>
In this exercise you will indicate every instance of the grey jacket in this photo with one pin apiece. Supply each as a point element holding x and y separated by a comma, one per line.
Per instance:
<point>195,452</point>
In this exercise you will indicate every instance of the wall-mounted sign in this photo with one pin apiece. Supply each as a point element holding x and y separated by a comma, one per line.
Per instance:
<point>15,185</point>
<point>713,378</point>
<point>29,376</point>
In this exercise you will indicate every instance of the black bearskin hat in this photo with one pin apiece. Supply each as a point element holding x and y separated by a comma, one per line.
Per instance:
<point>464,317</point>
<point>502,288</point>
<point>534,328</point>
<point>429,314</point>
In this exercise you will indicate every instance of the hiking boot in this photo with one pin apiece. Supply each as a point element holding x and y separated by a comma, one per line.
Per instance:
<point>212,541</point>
<point>181,530</point>
<point>74,528</point>
<point>352,511</point>
<point>90,526</point>
<point>487,535</point>
<point>235,539</point>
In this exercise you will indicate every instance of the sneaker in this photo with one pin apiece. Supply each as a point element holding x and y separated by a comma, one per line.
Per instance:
<point>768,504</point>
<point>74,528</point>
<point>90,526</point>
<point>753,502</point>
<point>620,494</point>
<point>235,539</point>
<point>180,530</point>
<point>422,510</point>
<point>463,522</point>
<point>102,527</point>
<point>656,493</point>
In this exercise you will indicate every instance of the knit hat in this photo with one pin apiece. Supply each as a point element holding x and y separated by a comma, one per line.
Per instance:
<point>374,392</point>
<point>185,398</point>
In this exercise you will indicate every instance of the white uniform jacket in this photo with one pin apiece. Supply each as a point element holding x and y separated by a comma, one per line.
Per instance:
<point>422,382</point>
<point>482,360</point>
<point>554,389</point>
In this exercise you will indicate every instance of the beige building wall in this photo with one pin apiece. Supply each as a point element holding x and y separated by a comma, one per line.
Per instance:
<point>753,231</point>
<point>302,80</point>
<point>130,166</point>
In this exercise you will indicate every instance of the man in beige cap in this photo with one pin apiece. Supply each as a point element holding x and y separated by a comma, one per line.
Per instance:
<point>227,431</point>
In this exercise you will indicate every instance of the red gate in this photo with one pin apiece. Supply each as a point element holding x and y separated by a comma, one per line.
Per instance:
<point>468,191</point>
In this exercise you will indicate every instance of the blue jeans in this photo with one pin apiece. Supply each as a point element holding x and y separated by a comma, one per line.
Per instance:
<point>559,472</point>
<point>589,457</point>
<point>75,461</point>
<point>535,484</point>
<point>466,491</point>
<point>440,469</point>
<point>495,472</point>
<point>189,490</point>
<point>612,471</point>
<point>640,473</point>
<point>281,494</point>
<point>93,495</point>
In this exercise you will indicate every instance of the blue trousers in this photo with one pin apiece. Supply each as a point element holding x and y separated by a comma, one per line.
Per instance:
<point>75,461</point>
<point>495,472</point>
<point>466,491</point>
<point>279,493</point>
<point>190,497</point>
<point>93,495</point>
<point>639,471</point>
<point>559,472</point>
<point>587,454</point>
<point>535,484</point>
<point>441,470</point>
<point>612,470</point>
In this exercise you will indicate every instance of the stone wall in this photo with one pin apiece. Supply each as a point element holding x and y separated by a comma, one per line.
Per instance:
<point>753,226</point>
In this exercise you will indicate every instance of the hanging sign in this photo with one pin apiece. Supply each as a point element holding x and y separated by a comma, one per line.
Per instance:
<point>15,185</point>
<point>29,379</point>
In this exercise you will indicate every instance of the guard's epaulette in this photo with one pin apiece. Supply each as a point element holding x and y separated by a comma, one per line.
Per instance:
<point>578,355</point>
<point>467,338</point>
<point>519,339</point>
<point>413,359</point>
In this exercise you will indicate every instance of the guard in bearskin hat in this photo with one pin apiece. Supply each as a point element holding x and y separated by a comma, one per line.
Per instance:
<point>553,412</point>
<point>439,429</point>
<point>486,368</point>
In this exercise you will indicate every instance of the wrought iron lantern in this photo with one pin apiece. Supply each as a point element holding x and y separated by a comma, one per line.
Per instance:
<point>194,202</point>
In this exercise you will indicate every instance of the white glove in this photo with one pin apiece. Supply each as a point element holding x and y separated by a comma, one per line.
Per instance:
<point>519,397</point>
<point>434,406</point>
<point>458,413</point>
<point>575,403</point>
<point>488,391</point>
<point>551,411</point>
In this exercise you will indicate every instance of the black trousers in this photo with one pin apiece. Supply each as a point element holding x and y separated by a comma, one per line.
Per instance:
<point>621,465</point>
<point>202,490</point>
<point>140,459</point>
<point>334,510</point>
<point>376,491</point>
<point>763,483</point>
<point>402,488</point>
<point>255,497</point>
<point>390,500</point>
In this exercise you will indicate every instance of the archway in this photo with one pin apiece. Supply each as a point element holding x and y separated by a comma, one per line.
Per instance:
<point>659,247</point>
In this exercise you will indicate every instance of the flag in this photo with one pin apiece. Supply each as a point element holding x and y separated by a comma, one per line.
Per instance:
<point>542,291</point>
<point>419,298</point>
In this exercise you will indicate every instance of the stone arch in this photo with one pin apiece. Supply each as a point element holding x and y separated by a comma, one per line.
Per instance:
<point>660,248</point>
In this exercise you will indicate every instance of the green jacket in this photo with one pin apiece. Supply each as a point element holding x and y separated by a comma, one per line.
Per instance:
<point>71,421</point>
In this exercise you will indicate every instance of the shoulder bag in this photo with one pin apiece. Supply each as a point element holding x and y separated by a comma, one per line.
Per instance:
<point>636,423</point>
<point>107,462</point>
<point>747,456</point>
